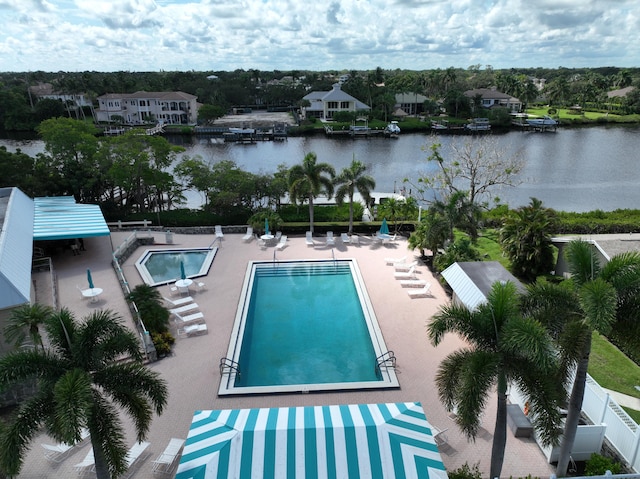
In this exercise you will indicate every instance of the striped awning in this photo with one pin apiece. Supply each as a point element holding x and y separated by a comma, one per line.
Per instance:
<point>357,440</point>
<point>62,218</point>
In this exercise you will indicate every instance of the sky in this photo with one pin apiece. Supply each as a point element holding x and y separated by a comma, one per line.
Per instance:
<point>221,35</point>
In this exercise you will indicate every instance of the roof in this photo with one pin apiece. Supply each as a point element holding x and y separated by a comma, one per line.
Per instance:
<point>622,92</point>
<point>472,281</point>
<point>410,98</point>
<point>354,440</point>
<point>62,218</point>
<point>335,94</point>
<point>152,95</point>
<point>16,248</point>
<point>489,94</point>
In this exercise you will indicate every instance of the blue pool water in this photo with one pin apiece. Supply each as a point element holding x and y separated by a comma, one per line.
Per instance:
<point>305,325</point>
<point>163,266</point>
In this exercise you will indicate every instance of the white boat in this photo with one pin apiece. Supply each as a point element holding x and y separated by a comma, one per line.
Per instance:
<point>544,122</point>
<point>392,128</point>
<point>478,124</point>
<point>242,131</point>
<point>440,125</point>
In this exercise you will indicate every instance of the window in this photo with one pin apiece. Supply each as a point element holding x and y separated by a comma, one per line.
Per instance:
<point>344,105</point>
<point>332,105</point>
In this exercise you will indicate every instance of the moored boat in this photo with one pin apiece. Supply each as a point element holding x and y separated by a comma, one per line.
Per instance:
<point>545,121</point>
<point>478,124</point>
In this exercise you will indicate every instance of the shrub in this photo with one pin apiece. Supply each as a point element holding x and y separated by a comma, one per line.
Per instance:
<point>465,472</point>
<point>597,465</point>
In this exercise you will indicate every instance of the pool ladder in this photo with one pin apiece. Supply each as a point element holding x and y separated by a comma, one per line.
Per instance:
<point>386,360</point>
<point>227,366</point>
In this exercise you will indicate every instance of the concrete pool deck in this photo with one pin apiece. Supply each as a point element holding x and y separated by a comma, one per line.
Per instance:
<point>192,372</point>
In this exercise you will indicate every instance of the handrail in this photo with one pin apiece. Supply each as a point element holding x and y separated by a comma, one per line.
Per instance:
<point>228,365</point>
<point>386,360</point>
<point>214,242</point>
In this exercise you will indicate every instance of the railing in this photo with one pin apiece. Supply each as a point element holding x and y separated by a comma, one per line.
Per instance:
<point>227,366</point>
<point>386,360</point>
<point>219,240</point>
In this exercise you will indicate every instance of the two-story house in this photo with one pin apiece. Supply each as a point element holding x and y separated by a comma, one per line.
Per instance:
<point>177,108</point>
<point>324,104</point>
<point>493,98</point>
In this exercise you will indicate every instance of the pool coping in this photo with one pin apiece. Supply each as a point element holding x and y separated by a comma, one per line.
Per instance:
<point>146,277</point>
<point>228,370</point>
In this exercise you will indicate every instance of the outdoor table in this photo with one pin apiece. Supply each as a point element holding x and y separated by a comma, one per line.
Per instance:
<point>184,284</point>
<point>267,238</point>
<point>92,293</point>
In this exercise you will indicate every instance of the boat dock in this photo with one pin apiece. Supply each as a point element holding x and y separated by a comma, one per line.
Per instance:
<point>244,135</point>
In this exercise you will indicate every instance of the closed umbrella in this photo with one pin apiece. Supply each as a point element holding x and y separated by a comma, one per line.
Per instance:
<point>384,229</point>
<point>182,274</point>
<point>266,226</point>
<point>89,279</point>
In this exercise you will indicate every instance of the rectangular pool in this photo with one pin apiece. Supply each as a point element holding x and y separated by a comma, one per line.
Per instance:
<point>304,326</point>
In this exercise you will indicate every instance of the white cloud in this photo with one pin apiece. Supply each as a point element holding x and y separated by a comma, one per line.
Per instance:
<point>151,35</point>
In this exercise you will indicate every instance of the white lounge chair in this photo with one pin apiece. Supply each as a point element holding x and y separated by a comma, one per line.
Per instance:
<point>179,302</point>
<point>164,462</point>
<point>219,233</point>
<point>134,454</point>
<point>248,235</point>
<point>412,283</point>
<point>309,239</point>
<point>411,274</point>
<point>58,452</point>
<point>330,239</point>
<point>278,235</point>
<point>189,318</point>
<point>282,243</point>
<point>416,293</point>
<point>344,237</point>
<point>87,463</point>
<point>193,330</point>
<point>405,266</point>
<point>184,309</point>
<point>394,261</point>
<point>355,239</point>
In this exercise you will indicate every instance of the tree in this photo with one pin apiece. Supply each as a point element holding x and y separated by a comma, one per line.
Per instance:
<point>398,210</point>
<point>459,212</point>
<point>310,179</point>
<point>25,321</point>
<point>457,251</point>
<point>148,300</point>
<point>526,241</point>
<point>504,347</point>
<point>431,233</point>
<point>351,179</point>
<point>589,302</point>
<point>82,382</point>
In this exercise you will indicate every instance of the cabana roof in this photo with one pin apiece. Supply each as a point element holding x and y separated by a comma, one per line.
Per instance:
<point>61,217</point>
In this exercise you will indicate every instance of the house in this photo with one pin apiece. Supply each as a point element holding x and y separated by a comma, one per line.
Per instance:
<point>620,93</point>
<point>410,103</point>
<point>177,108</point>
<point>324,104</point>
<point>72,100</point>
<point>491,98</point>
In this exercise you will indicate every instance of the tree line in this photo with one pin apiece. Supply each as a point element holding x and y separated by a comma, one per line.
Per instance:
<point>218,91</point>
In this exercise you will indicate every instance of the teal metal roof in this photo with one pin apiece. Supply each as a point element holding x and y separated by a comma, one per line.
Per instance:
<point>62,218</point>
<point>391,440</point>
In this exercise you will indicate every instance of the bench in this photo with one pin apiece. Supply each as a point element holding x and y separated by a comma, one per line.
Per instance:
<point>518,422</point>
<point>119,224</point>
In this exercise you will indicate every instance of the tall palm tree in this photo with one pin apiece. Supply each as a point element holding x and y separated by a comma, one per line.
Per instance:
<point>591,301</point>
<point>25,321</point>
<point>309,180</point>
<point>504,347</point>
<point>351,179</point>
<point>82,382</point>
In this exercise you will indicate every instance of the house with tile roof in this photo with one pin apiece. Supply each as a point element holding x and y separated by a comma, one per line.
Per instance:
<point>175,108</point>
<point>491,98</point>
<point>324,104</point>
<point>410,103</point>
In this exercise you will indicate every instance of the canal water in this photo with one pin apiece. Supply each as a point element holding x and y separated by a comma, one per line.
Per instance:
<point>573,169</point>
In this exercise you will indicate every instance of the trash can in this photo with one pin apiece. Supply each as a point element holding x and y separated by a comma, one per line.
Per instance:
<point>169,237</point>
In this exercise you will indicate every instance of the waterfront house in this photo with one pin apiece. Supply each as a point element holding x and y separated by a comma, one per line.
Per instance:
<point>176,108</point>
<point>324,104</point>
<point>411,103</point>
<point>490,98</point>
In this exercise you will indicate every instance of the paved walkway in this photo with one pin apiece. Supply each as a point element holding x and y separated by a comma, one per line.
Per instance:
<point>624,399</point>
<point>192,372</point>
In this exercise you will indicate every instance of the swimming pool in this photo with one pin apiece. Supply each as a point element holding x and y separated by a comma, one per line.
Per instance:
<point>162,266</point>
<point>304,326</point>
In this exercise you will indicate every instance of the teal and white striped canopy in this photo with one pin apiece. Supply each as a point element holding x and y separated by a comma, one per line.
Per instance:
<point>358,440</point>
<point>61,217</point>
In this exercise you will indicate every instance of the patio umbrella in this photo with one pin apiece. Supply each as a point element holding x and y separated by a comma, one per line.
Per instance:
<point>266,226</point>
<point>356,440</point>
<point>182,274</point>
<point>89,279</point>
<point>384,229</point>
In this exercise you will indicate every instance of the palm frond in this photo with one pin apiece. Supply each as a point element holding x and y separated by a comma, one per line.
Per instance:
<point>598,300</point>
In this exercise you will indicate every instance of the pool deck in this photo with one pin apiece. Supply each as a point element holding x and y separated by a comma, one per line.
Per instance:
<point>192,372</point>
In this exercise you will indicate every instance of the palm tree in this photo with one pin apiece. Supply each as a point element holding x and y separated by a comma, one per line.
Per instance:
<point>351,179</point>
<point>591,301</point>
<point>82,382</point>
<point>309,180</point>
<point>26,321</point>
<point>504,347</point>
<point>148,300</point>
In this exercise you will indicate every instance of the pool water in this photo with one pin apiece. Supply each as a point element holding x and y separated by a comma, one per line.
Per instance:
<point>305,325</point>
<point>163,266</point>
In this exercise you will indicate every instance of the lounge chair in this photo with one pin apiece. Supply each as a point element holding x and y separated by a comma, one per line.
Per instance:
<point>248,235</point>
<point>411,274</point>
<point>355,239</point>
<point>184,309</point>
<point>219,233</point>
<point>134,454</point>
<point>344,237</point>
<point>394,261</point>
<point>405,266</point>
<point>330,239</point>
<point>412,283</point>
<point>58,452</point>
<point>309,239</point>
<point>179,302</point>
<point>282,243</point>
<point>164,462</point>
<point>416,293</point>
<point>278,235</point>
<point>193,330</point>
<point>189,318</point>
<point>87,463</point>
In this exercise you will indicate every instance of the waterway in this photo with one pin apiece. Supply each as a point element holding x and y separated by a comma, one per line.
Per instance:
<point>573,169</point>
